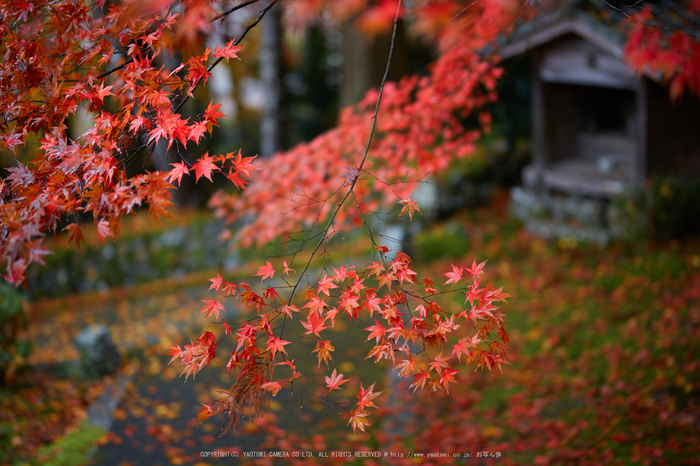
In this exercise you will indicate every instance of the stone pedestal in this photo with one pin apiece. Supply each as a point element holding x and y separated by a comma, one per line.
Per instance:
<point>99,355</point>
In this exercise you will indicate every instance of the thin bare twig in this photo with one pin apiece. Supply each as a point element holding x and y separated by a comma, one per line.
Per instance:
<point>636,5</point>
<point>362,162</point>
<point>465,9</point>
<point>236,42</point>
<point>115,69</point>
<point>232,9</point>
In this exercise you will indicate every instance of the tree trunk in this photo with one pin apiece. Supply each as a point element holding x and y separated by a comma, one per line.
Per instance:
<point>271,77</point>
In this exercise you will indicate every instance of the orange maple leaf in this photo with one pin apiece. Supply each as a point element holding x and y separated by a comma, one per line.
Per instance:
<point>410,206</point>
<point>324,348</point>
<point>406,367</point>
<point>272,387</point>
<point>358,418</point>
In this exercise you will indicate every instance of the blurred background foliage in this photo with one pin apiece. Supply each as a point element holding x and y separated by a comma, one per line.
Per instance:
<point>13,319</point>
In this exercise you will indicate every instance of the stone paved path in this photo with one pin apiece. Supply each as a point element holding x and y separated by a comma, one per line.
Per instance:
<point>153,424</point>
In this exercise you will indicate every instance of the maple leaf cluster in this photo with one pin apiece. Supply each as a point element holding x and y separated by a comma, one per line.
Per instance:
<point>107,58</point>
<point>411,330</point>
<point>420,131</point>
<point>674,53</point>
<point>60,56</point>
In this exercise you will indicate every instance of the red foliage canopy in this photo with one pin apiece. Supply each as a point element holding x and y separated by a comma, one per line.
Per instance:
<point>59,56</point>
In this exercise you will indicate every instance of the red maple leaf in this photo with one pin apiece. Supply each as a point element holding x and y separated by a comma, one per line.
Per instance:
<point>421,379</point>
<point>366,397</point>
<point>316,305</point>
<point>406,367</point>
<point>235,178</point>
<point>375,268</point>
<point>211,306</point>
<point>104,231</point>
<point>330,315</point>
<point>175,352</point>
<point>447,376</point>
<point>243,165</point>
<point>204,414</point>
<point>271,292</point>
<point>75,234</point>
<point>314,324</point>
<point>98,94</point>
<point>157,133</point>
<point>325,285</point>
<point>179,170</point>
<point>344,273</point>
<point>334,381</point>
<point>382,351</point>
<point>274,345</point>
<point>382,249</point>
<point>204,167</point>
<point>211,114</point>
<point>462,347</point>
<point>197,131</point>
<point>266,271</point>
<point>216,282</point>
<point>372,302</point>
<point>439,363</point>
<point>476,270</point>
<point>455,275</point>
<point>429,286</point>
<point>229,51</point>
<point>287,269</point>
<point>287,309</point>
<point>13,139</point>
<point>376,331</point>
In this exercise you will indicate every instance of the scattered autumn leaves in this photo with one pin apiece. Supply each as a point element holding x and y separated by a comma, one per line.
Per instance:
<point>603,366</point>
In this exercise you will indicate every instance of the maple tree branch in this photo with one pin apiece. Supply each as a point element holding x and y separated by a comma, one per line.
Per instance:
<point>232,9</point>
<point>364,222</point>
<point>364,157</point>
<point>465,9</point>
<point>246,30</point>
<point>321,398</point>
<point>115,69</point>
<point>381,91</point>
<point>636,5</point>
<point>236,42</point>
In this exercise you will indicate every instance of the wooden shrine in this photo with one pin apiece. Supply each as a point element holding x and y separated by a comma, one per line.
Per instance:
<point>598,127</point>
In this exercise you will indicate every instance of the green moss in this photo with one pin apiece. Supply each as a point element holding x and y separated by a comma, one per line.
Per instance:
<point>448,240</point>
<point>72,450</point>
